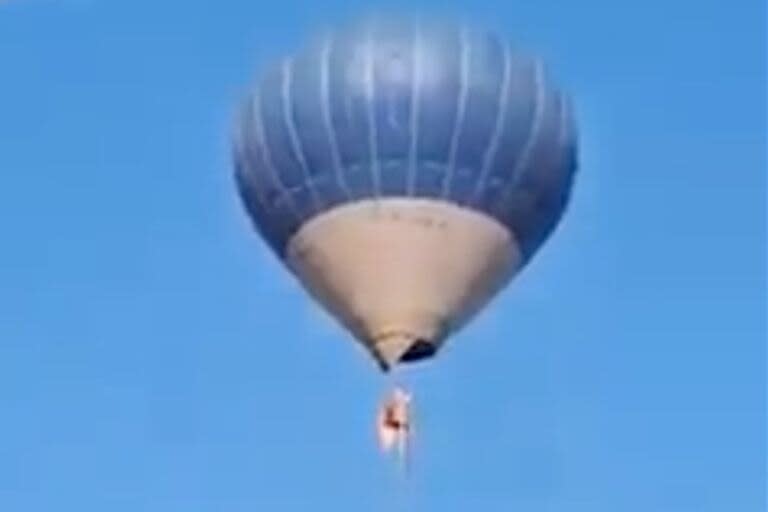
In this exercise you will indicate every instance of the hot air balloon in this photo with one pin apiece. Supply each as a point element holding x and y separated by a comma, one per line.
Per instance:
<point>404,172</point>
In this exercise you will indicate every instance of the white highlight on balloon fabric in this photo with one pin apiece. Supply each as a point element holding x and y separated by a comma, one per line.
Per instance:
<point>293,135</point>
<point>325,99</point>
<point>533,134</point>
<point>501,117</point>
<point>416,86</point>
<point>261,141</point>
<point>370,93</point>
<point>246,166</point>
<point>461,106</point>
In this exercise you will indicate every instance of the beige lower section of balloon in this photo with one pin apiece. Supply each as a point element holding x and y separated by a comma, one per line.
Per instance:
<point>402,273</point>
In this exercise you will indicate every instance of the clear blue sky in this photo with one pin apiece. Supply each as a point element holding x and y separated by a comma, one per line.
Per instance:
<point>155,357</point>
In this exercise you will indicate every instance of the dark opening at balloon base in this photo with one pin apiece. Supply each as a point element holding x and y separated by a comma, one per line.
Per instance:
<point>421,349</point>
<point>390,354</point>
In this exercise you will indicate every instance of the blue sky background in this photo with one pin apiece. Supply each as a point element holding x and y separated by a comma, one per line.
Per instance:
<point>155,357</point>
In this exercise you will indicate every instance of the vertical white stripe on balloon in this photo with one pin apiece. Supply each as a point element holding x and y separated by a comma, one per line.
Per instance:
<point>325,99</point>
<point>489,157</point>
<point>535,128</point>
<point>261,141</point>
<point>293,135</point>
<point>370,94</point>
<point>461,106</point>
<point>415,86</point>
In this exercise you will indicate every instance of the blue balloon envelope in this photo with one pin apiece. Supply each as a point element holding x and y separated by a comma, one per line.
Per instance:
<point>404,172</point>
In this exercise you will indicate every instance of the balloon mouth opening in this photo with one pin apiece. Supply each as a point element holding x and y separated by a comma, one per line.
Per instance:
<point>420,349</point>
<point>417,350</point>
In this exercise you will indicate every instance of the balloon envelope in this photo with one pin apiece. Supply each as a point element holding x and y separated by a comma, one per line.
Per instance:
<point>404,172</point>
